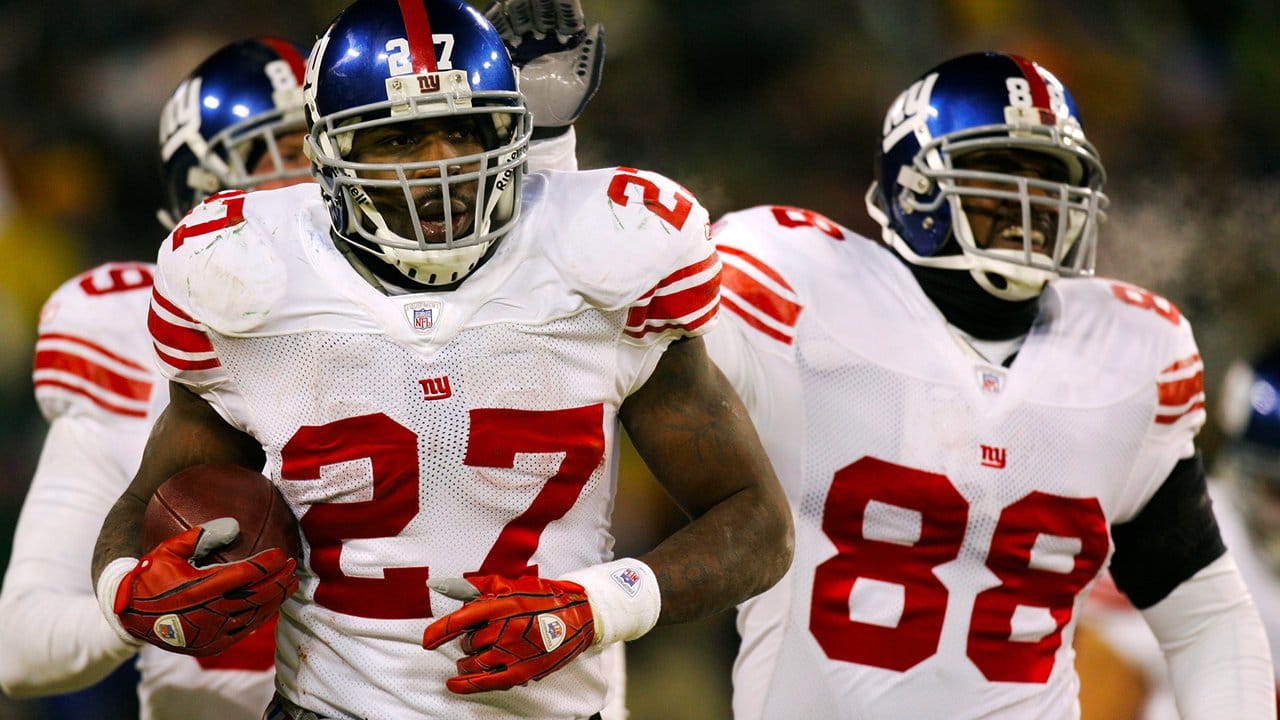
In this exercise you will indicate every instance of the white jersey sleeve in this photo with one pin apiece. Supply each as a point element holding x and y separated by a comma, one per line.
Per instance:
<point>95,383</point>
<point>1152,343</point>
<point>657,262</point>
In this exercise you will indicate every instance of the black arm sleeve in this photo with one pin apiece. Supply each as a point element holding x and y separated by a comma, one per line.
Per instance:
<point>1169,540</point>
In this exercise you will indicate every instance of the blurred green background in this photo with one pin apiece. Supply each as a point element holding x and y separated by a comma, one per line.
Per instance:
<point>744,103</point>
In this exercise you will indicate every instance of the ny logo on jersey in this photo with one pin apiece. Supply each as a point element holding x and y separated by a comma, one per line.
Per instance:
<point>436,388</point>
<point>993,457</point>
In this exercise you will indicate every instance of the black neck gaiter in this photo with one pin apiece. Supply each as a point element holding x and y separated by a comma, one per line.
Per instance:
<point>966,305</point>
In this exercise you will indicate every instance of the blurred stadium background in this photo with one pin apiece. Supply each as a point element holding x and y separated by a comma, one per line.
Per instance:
<point>744,102</point>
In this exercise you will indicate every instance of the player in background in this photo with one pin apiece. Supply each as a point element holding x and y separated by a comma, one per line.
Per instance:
<point>432,360</point>
<point>97,384</point>
<point>1123,673</point>
<point>967,423</point>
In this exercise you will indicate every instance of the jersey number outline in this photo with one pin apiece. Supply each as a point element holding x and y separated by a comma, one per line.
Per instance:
<point>116,277</point>
<point>794,217</point>
<point>676,215</point>
<point>1146,300</point>
<point>943,513</point>
<point>233,203</point>
<point>494,438</point>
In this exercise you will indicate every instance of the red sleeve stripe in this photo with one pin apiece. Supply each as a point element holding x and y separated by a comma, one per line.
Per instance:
<point>52,338</point>
<point>758,265</point>
<point>689,309</point>
<point>682,297</point>
<point>169,307</point>
<point>1180,390</point>
<point>55,363</point>
<point>687,275</point>
<point>767,301</point>
<point>690,326</point>
<point>754,320</point>
<point>176,332</point>
<point>180,364</point>
<point>48,384</point>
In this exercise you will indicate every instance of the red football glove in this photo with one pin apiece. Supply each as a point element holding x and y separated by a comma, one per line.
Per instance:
<point>169,602</point>
<point>513,631</point>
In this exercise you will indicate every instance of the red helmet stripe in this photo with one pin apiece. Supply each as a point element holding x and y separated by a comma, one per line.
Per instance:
<point>1039,90</point>
<point>290,54</point>
<point>418,28</point>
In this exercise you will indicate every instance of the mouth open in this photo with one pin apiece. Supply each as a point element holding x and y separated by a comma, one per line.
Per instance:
<point>436,219</point>
<point>1012,237</point>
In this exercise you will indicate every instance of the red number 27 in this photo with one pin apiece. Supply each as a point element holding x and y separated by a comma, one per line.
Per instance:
<point>494,438</point>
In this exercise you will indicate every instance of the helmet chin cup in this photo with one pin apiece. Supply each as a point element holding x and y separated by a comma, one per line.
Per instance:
<point>1019,282</point>
<point>435,267</point>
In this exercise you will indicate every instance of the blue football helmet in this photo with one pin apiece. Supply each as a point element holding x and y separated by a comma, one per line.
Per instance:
<point>1250,459</point>
<point>383,62</point>
<point>988,102</point>
<point>222,127</point>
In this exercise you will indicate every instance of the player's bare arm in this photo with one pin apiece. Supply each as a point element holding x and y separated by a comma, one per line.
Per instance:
<point>693,431</point>
<point>189,432</point>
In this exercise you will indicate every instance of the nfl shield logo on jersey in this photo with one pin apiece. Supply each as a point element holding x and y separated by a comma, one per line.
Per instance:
<point>423,316</point>
<point>991,382</point>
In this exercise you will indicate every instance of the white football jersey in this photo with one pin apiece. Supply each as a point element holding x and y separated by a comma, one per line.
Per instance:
<point>950,513</point>
<point>437,434</point>
<point>97,384</point>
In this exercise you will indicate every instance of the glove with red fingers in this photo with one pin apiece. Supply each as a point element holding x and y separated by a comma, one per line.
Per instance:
<point>517,630</point>
<point>165,600</point>
<point>512,631</point>
<point>561,60</point>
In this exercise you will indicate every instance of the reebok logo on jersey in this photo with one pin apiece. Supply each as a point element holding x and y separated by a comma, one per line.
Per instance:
<point>993,457</point>
<point>552,630</point>
<point>423,316</point>
<point>436,388</point>
<point>169,629</point>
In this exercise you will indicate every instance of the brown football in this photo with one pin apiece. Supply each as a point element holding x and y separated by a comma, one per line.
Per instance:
<point>207,492</point>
